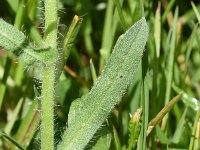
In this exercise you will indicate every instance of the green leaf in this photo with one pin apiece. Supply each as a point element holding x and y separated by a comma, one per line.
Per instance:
<point>15,41</point>
<point>13,4</point>
<point>4,135</point>
<point>93,71</point>
<point>92,109</point>
<point>161,136</point>
<point>41,55</point>
<point>29,125</point>
<point>101,140</point>
<point>11,38</point>
<point>157,28</point>
<point>196,11</point>
<point>16,111</point>
<point>180,128</point>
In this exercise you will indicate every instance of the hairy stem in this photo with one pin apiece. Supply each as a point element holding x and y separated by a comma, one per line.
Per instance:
<point>47,103</point>
<point>51,23</point>
<point>47,139</point>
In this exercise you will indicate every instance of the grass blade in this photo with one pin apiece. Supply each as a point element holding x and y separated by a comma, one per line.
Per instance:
<point>110,26</point>
<point>121,16</point>
<point>93,71</point>
<point>180,128</point>
<point>157,28</point>
<point>4,80</point>
<point>4,135</point>
<point>194,130</point>
<point>16,111</point>
<point>170,64</point>
<point>196,11</point>
<point>28,125</point>
<point>13,4</point>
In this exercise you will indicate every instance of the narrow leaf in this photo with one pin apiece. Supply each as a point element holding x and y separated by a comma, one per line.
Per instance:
<point>197,137</point>
<point>180,128</point>
<point>108,89</point>
<point>161,136</point>
<point>16,111</point>
<point>121,16</point>
<point>29,125</point>
<point>157,30</point>
<point>4,135</point>
<point>13,4</point>
<point>93,71</point>
<point>196,11</point>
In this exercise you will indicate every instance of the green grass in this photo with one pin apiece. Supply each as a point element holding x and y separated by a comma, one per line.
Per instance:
<point>67,86</point>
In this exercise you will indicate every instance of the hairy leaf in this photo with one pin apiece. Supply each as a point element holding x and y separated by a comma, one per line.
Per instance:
<point>11,37</point>
<point>16,42</point>
<point>101,139</point>
<point>87,115</point>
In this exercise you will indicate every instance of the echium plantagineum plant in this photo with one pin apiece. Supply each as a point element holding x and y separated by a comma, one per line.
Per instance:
<point>105,93</point>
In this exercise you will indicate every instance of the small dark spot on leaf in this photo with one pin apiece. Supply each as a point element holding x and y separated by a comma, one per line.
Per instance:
<point>121,76</point>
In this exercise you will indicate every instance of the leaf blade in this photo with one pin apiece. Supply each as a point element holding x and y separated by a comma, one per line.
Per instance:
<point>11,37</point>
<point>108,89</point>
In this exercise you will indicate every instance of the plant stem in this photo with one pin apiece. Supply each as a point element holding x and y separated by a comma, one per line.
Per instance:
<point>47,103</point>
<point>51,23</point>
<point>47,139</point>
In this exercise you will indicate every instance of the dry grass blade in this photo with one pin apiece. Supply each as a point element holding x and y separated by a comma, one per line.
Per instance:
<point>162,113</point>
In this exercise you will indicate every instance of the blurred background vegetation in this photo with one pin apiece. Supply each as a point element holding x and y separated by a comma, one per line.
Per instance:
<point>171,64</point>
